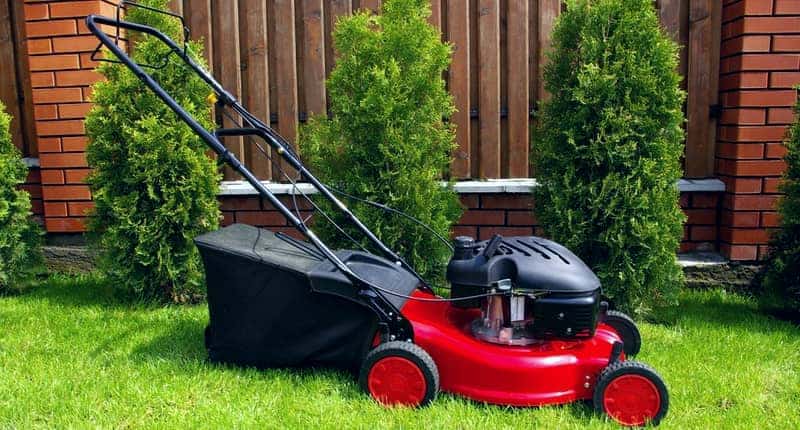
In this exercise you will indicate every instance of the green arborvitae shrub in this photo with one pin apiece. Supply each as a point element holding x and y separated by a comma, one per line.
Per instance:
<point>781,282</point>
<point>608,148</point>
<point>153,185</point>
<point>20,236</point>
<point>386,140</point>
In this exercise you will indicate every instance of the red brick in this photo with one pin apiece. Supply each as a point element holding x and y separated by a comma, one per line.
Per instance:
<point>760,62</point>
<point>73,110</point>
<point>735,81</point>
<point>34,176</point>
<point>779,98</point>
<point>55,209</point>
<point>702,233</point>
<point>745,44</point>
<point>66,192</point>
<point>41,112</point>
<point>34,190</point>
<point>770,219</point>
<point>61,27</point>
<point>42,79</point>
<point>775,150</point>
<point>64,159</point>
<point>49,144</point>
<point>740,219</point>
<point>87,62</point>
<point>742,185</point>
<point>78,9</point>
<point>463,230</point>
<point>76,176</point>
<point>740,150</point>
<point>750,202</point>
<point>260,218</point>
<point>766,133</point>
<point>52,177</point>
<point>700,216</point>
<point>507,201</point>
<point>39,46</point>
<point>59,128</point>
<point>784,80</point>
<point>786,44</point>
<point>740,252</point>
<point>771,25</point>
<point>685,236</point>
<point>743,116</point>
<point>37,209</point>
<point>487,232</point>
<point>57,95</point>
<point>470,201</point>
<point>684,200</point>
<point>771,185</point>
<point>80,208</point>
<point>763,252</point>
<point>239,204</point>
<point>35,11</point>
<point>780,116</point>
<point>74,143</point>
<point>746,8</point>
<point>704,200</point>
<point>302,203</point>
<point>87,94</point>
<point>687,247</point>
<point>75,44</point>
<point>520,218</point>
<point>53,62</point>
<point>73,78</point>
<point>478,217</point>
<point>742,236</point>
<point>787,7</point>
<point>754,168</point>
<point>65,225</point>
<point>227,219</point>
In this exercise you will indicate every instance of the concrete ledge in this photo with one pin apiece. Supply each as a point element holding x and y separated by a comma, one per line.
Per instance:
<point>31,162</point>
<point>490,186</point>
<point>68,259</point>
<point>710,270</point>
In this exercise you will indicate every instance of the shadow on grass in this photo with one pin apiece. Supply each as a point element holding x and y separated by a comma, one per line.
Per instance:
<point>722,309</point>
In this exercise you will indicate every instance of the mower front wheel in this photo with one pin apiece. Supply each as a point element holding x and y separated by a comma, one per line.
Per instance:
<point>400,374</point>
<point>631,393</point>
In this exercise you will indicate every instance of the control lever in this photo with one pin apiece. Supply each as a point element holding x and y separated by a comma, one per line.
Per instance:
<point>491,247</point>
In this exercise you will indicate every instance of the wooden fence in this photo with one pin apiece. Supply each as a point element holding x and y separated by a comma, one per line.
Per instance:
<point>277,53</point>
<point>15,87</point>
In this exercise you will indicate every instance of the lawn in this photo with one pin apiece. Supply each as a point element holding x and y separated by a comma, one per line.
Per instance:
<point>72,356</point>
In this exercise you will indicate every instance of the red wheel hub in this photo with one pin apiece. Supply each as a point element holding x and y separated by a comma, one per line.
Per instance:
<point>632,400</point>
<point>397,381</point>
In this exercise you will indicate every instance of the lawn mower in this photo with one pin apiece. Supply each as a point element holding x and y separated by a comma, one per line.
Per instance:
<point>525,323</point>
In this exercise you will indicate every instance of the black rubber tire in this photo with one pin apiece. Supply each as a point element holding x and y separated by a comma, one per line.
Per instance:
<point>620,368</point>
<point>627,330</point>
<point>409,351</point>
<point>207,336</point>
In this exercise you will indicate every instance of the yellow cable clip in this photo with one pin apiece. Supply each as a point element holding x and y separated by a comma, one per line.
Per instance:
<point>212,98</point>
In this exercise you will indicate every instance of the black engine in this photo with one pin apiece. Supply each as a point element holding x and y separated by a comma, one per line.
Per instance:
<point>538,289</point>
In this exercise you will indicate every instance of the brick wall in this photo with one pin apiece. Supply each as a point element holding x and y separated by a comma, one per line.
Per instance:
<point>487,214</point>
<point>59,48</point>
<point>760,64</point>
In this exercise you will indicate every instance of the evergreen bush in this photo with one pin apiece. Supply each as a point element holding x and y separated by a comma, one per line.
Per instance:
<point>781,282</point>
<point>608,148</point>
<point>386,140</point>
<point>153,185</point>
<point>20,236</point>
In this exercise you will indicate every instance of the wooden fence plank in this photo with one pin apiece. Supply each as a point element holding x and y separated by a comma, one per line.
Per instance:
<point>198,14</point>
<point>459,77</point>
<point>176,6</point>
<point>254,44</point>
<point>436,13</point>
<point>674,15</point>
<point>286,72</point>
<point>489,88</point>
<point>9,92</point>
<point>548,12</point>
<point>373,5</point>
<point>334,10</point>
<point>314,57</point>
<point>518,113</point>
<point>229,71</point>
<point>699,148</point>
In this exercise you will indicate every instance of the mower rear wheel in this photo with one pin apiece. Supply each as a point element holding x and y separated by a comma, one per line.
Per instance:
<point>631,393</point>
<point>627,330</point>
<point>400,374</point>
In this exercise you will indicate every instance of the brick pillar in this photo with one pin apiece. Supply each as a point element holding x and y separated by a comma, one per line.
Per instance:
<point>760,64</point>
<point>59,48</point>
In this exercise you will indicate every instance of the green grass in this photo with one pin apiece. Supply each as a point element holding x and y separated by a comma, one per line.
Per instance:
<point>72,356</point>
